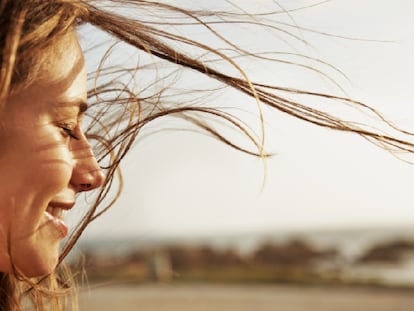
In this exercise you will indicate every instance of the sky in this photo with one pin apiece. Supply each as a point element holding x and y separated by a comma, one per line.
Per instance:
<point>184,184</point>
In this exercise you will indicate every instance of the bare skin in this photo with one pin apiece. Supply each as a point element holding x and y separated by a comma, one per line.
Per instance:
<point>45,161</point>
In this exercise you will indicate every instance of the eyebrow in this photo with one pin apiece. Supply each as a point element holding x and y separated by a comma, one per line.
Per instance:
<point>81,104</point>
<point>66,108</point>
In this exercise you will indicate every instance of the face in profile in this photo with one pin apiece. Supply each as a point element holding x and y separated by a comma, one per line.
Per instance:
<point>45,161</point>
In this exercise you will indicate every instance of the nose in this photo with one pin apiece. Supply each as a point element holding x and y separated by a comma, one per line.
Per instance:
<point>86,174</point>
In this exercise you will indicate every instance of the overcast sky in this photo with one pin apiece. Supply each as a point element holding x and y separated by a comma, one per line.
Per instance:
<point>185,184</point>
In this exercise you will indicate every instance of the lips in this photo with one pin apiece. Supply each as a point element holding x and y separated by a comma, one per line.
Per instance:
<point>55,213</point>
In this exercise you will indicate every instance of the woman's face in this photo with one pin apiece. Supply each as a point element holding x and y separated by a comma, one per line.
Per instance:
<point>44,161</point>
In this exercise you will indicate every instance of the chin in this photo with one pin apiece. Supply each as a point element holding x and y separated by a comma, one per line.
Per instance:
<point>36,262</point>
<point>39,270</point>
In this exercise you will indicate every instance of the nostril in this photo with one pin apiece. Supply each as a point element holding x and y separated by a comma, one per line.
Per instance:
<point>85,187</point>
<point>87,176</point>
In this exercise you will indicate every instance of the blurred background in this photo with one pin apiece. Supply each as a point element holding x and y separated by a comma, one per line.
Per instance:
<point>328,209</point>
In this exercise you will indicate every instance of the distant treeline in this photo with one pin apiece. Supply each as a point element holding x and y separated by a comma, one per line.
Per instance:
<point>293,261</point>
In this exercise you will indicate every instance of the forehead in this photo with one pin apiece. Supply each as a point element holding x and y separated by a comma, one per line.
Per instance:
<point>62,75</point>
<point>62,61</point>
<point>61,78</point>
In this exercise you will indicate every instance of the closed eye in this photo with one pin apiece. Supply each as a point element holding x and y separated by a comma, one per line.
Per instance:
<point>70,133</point>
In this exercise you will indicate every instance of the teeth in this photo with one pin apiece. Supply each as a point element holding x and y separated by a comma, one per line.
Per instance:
<point>55,212</point>
<point>49,210</point>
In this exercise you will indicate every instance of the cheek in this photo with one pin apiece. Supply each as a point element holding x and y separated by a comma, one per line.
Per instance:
<point>53,169</point>
<point>37,172</point>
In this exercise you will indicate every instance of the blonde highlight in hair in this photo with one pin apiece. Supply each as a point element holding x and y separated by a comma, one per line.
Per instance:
<point>9,52</point>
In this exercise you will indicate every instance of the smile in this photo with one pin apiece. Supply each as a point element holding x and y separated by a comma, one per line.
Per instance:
<point>56,215</point>
<point>55,212</point>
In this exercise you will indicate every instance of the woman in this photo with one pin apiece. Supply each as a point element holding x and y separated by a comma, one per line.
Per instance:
<point>46,159</point>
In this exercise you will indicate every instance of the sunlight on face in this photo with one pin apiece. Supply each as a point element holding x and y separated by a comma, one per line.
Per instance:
<point>45,161</point>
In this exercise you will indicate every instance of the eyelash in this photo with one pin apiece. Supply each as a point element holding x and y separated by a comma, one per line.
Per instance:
<point>69,132</point>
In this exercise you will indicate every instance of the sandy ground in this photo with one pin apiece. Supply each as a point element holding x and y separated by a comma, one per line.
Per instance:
<point>243,298</point>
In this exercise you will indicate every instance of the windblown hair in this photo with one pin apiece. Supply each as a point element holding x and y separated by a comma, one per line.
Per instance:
<point>118,111</point>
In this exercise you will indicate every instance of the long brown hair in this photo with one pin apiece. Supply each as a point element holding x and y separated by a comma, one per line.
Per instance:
<point>118,111</point>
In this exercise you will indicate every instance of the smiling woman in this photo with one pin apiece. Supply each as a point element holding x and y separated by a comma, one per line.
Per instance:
<point>46,159</point>
<point>44,138</point>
